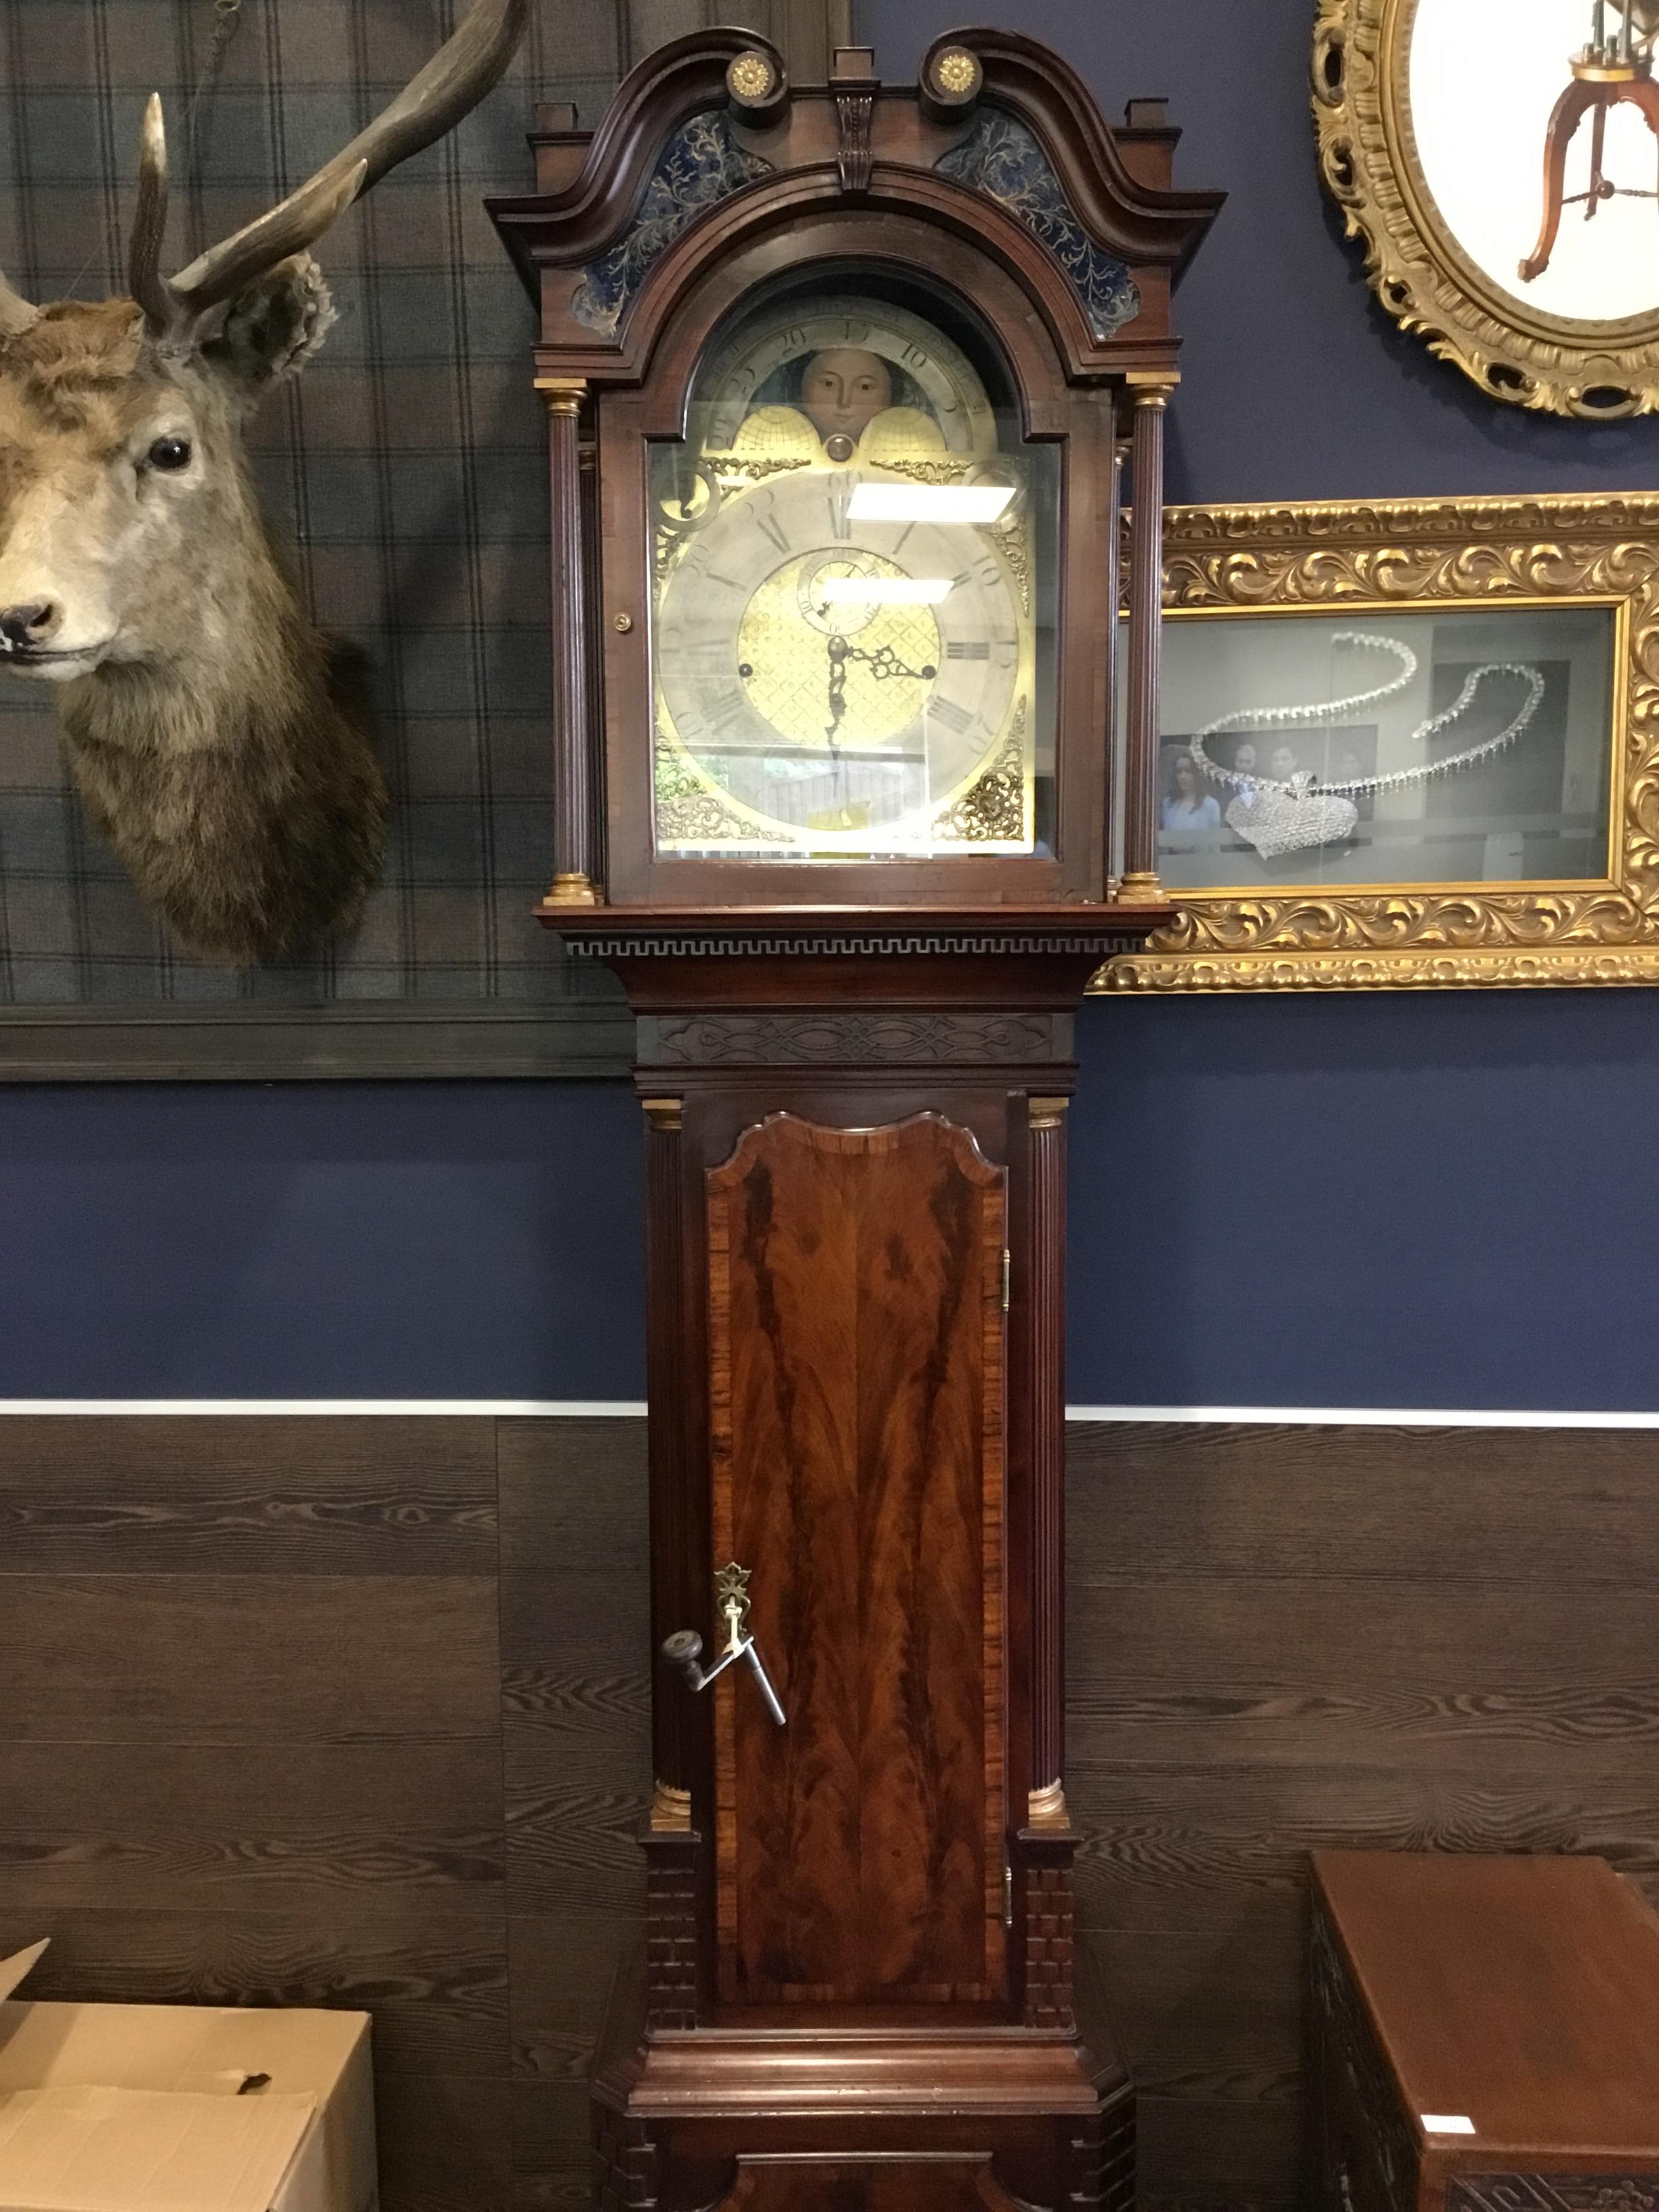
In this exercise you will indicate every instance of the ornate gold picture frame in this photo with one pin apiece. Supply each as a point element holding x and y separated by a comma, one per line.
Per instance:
<point>1361,577</point>
<point>1498,164</point>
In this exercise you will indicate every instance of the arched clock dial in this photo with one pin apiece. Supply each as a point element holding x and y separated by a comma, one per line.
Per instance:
<point>843,643</point>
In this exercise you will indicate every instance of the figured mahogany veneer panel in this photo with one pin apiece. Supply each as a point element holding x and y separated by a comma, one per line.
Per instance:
<point>856,1334</point>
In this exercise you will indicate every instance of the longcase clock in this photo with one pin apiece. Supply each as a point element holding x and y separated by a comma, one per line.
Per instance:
<point>841,383</point>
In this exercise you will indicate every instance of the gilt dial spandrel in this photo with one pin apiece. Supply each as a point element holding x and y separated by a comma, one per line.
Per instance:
<point>850,552</point>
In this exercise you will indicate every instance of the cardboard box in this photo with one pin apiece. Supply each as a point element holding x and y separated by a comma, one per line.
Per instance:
<point>182,2108</point>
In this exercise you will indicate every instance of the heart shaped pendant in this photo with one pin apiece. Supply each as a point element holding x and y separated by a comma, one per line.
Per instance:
<point>1278,818</point>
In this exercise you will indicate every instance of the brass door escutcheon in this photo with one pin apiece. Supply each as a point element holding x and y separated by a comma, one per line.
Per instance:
<point>684,1649</point>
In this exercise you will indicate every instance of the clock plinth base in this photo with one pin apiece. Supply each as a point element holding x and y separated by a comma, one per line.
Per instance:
<point>858,2118</point>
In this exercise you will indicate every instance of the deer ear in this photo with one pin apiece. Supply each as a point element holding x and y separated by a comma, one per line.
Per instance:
<point>271,329</point>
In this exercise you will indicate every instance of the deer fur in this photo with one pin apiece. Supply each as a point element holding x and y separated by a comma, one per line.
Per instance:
<point>220,742</point>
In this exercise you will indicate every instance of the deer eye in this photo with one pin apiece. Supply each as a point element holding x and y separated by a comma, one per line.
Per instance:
<point>169,453</point>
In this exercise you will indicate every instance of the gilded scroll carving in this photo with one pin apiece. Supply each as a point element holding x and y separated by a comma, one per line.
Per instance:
<point>701,164</point>
<point>1369,557</point>
<point>1001,157</point>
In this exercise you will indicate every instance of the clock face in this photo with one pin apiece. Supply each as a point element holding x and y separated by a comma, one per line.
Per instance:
<point>843,634</point>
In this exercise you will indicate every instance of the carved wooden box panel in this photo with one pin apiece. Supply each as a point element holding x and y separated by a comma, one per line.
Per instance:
<point>881,2184</point>
<point>857,1389</point>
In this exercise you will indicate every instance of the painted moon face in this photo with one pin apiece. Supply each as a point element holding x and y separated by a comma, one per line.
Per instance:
<point>848,349</point>
<point>843,389</point>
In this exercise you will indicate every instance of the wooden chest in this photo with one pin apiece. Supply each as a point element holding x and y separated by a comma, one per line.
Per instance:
<point>1485,2035</point>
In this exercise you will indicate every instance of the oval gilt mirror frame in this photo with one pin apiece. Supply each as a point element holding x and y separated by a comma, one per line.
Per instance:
<point>1499,161</point>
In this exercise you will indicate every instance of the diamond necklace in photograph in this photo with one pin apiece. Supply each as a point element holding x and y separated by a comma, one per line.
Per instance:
<point>1277,814</point>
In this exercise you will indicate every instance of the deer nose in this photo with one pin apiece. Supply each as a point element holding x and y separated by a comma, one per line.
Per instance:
<point>22,627</point>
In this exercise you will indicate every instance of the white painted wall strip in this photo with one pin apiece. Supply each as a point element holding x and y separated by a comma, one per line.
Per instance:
<point>1389,1417</point>
<point>1362,1417</point>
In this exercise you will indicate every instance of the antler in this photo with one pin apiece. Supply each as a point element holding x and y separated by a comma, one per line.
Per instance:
<point>15,312</point>
<point>452,82</point>
<point>144,279</point>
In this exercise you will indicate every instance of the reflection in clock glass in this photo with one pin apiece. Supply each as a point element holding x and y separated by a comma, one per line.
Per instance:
<point>853,628</point>
<point>1386,750</point>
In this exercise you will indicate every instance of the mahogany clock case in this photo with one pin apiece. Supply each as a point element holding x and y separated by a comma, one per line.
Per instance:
<point>859,1952</point>
<point>855,883</point>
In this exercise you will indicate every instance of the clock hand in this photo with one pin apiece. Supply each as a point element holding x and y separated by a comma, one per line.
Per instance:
<point>837,692</point>
<point>883,661</point>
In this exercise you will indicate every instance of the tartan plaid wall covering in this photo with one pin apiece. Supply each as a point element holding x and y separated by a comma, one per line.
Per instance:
<point>405,470</point>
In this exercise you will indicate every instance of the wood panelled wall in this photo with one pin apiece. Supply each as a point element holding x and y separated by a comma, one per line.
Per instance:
<point>354,1712</point>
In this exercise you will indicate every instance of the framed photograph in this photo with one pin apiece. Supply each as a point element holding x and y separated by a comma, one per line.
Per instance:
<point>1408,745</point>
<point>1500,159</point>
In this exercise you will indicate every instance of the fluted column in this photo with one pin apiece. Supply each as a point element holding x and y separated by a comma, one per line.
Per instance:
<point>675,1602</point>
<point>1140,883</point>
<point>1045,1120</point>
<point>575,868</point>
<point>1117,750</point>
<point>673,1849</point>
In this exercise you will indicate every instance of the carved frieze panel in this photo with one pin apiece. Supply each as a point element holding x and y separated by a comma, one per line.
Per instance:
<point>771,943</point>
<point>825,1038</point>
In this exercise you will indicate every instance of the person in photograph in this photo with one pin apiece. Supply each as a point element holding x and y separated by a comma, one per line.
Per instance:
<point>1244,769</point>
<point>1283,767</point>
<point>1189,810</point>
<point>1350,768</point>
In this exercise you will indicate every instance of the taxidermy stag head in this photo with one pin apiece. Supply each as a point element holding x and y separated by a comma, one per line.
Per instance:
<point>219,740</point>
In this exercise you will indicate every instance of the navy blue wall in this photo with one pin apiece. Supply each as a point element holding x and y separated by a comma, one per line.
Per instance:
<point>321,1240</point>
<point>1296,386</point>
<point>1406,1201</point>
<point>1387,1201</point>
